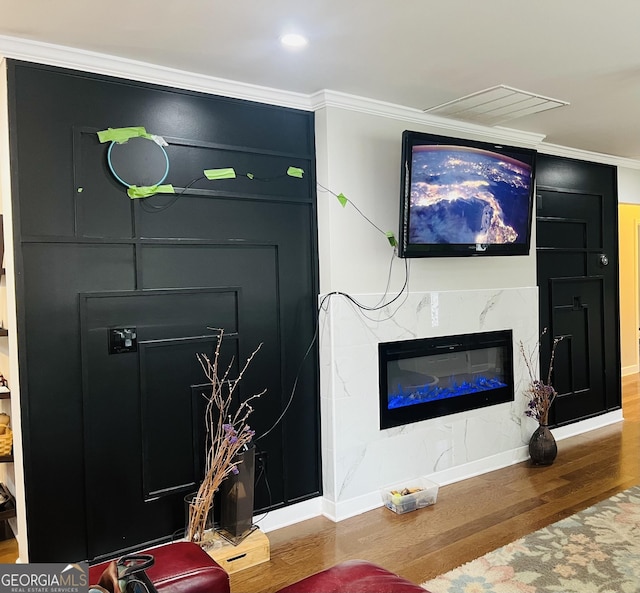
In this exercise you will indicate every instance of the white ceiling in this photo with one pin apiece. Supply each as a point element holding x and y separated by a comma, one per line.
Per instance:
<point>413,53</point>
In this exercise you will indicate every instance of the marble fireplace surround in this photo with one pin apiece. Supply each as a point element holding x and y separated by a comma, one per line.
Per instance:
<point>358,459</point>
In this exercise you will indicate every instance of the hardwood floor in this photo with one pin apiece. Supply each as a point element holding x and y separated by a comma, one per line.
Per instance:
<point>469,519</point>
<point>8,551</point>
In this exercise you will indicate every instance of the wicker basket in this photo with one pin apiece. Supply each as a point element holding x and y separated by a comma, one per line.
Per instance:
<point>6,442</point>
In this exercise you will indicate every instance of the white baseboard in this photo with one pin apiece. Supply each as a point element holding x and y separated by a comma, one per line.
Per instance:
<point>339,511</point>
<point>355,506</point>
<point>286,516</point>
<point>571,430</point>
<point>350,508</point>
<point>630,370</point>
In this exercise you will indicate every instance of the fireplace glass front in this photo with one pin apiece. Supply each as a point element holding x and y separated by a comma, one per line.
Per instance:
<point>431,377</point>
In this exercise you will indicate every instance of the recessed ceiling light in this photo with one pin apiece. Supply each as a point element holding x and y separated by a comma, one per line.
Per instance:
<point>293,40</point>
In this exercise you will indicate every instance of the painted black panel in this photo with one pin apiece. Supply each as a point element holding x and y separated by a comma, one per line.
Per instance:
<point>576,226</point>
<point>257,268</point>
<point>575,261</point>
<point>577,316</point>
<point>102,209</point>
<point>228,219</point>
<point>257,173</point>
<point>51,385</point>
<point>76,231</point>
<point>560,232</point>
<point>148,395</point>
<point>578,215</point>
<point>74,99</point>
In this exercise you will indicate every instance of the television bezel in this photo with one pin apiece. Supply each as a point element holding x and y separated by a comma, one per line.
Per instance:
<point>407,249</point>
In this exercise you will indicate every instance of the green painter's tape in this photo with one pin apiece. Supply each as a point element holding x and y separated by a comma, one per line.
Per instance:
<point>121,135</point>
<point>342,199</point>
<point>228,173</point>
<point>149,190</point>
<point>391,238</point>
<point>295,172</point>
<point>250,175</point>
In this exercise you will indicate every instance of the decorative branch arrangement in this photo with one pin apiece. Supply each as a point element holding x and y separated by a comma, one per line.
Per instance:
<point>227,435</point>
<point>541,393</point>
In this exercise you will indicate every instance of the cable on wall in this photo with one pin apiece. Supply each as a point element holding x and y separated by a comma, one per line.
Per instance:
<point>121,161</point>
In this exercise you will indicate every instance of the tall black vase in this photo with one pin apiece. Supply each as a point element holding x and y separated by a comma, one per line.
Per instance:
<point>236,499</point>
<point>542,446</point>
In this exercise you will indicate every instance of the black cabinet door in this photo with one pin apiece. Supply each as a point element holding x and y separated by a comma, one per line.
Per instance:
<point>577,268</point>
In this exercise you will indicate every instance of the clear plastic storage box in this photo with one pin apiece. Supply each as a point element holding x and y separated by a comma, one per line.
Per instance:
<point>410,495</point>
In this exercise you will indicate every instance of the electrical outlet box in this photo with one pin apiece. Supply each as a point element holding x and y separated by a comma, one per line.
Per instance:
<point>122,339</point>
<point>261,461</point>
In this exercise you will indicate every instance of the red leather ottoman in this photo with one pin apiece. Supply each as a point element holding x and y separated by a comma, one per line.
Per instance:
<point>354,576</point>
<point>180,567</point>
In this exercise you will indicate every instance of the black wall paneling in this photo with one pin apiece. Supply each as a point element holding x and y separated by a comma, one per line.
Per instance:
<point>124,425</point>
<point>576,226</point>
<point>157,463</point>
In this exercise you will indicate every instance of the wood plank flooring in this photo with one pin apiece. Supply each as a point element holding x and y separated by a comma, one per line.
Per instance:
<point>470,518</point>
<point>8,551</point>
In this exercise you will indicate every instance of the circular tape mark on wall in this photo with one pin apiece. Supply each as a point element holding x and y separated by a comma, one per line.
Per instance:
<point>138,162</point>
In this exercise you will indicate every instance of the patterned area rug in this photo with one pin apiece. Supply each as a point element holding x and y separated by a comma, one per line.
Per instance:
<point>594,551</point>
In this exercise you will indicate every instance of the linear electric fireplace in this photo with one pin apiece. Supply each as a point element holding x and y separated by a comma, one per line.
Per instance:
<point>431,377</point>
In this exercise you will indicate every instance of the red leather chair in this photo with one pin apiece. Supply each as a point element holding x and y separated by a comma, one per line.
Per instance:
<point>354,576</point>
<point>183,567</point>
<point>180,567</point>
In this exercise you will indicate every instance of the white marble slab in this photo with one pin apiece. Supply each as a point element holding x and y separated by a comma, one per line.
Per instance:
<point>360,458</point>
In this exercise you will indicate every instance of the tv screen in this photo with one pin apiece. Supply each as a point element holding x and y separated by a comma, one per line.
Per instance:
<point>462,197</point>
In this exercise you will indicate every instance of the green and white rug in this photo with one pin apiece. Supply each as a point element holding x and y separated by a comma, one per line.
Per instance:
<point>594,551</point>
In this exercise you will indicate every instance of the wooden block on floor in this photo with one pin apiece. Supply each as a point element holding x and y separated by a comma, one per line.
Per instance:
<point>252,550</point>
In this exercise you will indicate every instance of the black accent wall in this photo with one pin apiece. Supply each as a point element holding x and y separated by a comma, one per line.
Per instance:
<point>577,271</point>
<point>113,440</point>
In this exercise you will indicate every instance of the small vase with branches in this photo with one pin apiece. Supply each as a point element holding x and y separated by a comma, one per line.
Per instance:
<point>541,392</point>
<point>227,435</point>
<point>542,445</point>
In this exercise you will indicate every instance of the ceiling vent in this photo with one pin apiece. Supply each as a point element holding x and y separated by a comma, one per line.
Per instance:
<point>495,105</point>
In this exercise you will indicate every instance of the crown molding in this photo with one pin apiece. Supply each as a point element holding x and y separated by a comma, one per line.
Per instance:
<point>328,98</point>
<point>87,61</point>
<point>586,155</point>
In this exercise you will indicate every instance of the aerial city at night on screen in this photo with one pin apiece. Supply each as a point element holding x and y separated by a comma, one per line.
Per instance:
<point>467,195</point>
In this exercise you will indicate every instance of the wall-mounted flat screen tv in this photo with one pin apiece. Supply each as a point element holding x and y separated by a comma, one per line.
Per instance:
<point>462,197</point>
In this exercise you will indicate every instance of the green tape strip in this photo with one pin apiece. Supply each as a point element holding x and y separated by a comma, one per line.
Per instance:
<point>149,190</point>
<point>250,175</point>
<point>228,173</point>
<point>121,135</point>
<point>342,199</point>
<point>295,172</point>
<point>391,238</point>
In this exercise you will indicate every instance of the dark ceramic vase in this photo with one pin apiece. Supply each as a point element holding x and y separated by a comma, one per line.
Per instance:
<point>542,446</point>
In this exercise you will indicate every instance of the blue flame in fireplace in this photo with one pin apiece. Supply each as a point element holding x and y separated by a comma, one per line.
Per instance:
<point>408,396</point>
